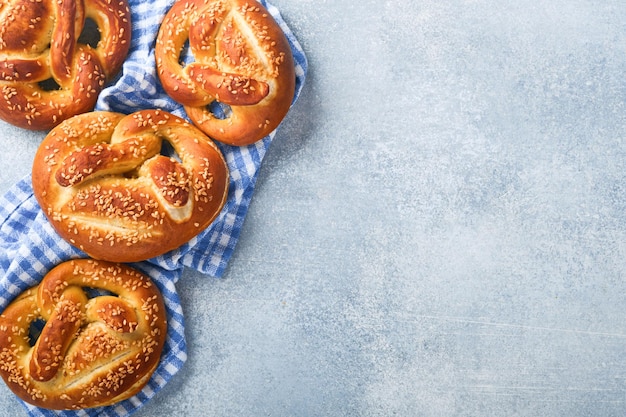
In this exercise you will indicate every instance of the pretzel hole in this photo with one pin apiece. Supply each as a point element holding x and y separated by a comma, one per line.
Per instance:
<point>90,34</point>
<point>168,150</point>
<point>97,292</point>
<point>219,110</point>
<point>49,85</point>
<point>185,57</point>
<point>34,331</point>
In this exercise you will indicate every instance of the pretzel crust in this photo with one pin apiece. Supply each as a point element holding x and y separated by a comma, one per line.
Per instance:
<point>91,351</point>
<point>242,59</point>
<point>105,187</point>
<point>40,42</point>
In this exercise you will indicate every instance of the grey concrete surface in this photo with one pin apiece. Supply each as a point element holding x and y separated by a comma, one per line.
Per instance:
<point>439,227</point>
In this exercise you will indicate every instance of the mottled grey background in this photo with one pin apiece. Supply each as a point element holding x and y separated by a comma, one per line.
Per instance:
<point>439,228</point>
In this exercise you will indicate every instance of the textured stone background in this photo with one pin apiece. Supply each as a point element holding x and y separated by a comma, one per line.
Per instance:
<point>439,226</point>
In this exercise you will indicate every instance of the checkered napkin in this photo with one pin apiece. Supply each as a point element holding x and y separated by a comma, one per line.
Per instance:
<point>29,246</point>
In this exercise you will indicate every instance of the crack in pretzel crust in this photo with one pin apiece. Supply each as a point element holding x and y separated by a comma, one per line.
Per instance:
<point>40,42</point>
<point>241,58</point>
<point>105,187</point>
<point>91,352</point>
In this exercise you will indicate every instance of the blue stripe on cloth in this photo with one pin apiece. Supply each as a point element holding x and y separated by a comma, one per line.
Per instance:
<point>29,246</point>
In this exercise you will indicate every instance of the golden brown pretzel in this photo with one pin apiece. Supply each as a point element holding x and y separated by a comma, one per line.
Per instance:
<point>242,59</point>
<point>105,187</point>
<point>39,44</point>
<point>91,351</point>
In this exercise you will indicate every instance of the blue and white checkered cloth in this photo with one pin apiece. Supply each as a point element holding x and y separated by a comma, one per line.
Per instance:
<point>29,246</point>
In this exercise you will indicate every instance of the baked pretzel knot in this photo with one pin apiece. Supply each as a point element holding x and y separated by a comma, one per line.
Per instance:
<point>241,59</point>
<point>103,181</point>
<point>48,70</point>
<point>93,350</point>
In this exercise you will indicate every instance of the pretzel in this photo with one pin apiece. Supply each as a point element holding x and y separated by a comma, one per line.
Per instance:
<point>242,60</point>
<point>103,183</point>
<point>92,351</point>
<point>47,72</point>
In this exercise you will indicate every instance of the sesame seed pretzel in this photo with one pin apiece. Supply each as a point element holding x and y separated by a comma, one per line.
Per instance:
<point>103,181</point>
<point>241,59</point>
<point>92,351</point>
<point>47,72</point>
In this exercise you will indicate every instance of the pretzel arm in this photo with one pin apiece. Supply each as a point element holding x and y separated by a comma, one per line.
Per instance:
<point>104,159</point>
<point>115,29</point>
<point>57,334</point>
<point>24,69</point>
<point>63,43</point>
<point>227,88</point>
<point>37,108</point>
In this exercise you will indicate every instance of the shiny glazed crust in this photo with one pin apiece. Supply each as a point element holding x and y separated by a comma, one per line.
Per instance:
<point>242,59</point>
<point>40,41</point>
<point>104,185</point>
<point>91,351</point>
